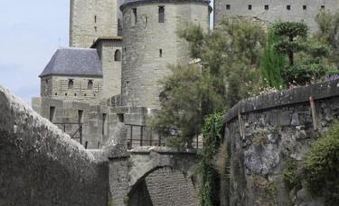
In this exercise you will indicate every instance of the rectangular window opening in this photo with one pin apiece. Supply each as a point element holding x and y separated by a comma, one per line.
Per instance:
<point>250,7</point>
<point>160,52</point>
<point>103,132</point>
<point>121,117</point>
<point>304,7</point>
<point>288,7</point>
<point>267,7</point>
<point>95,19</point>
<point>161,14</point>
<point>228,7</point>
<point>70,84</point>
<point>80,116</point>
<point>51,114</point>
<point>135,16</point>
<point>322,7</point>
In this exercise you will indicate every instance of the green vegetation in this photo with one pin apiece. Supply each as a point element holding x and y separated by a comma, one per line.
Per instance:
<point>212,140</point>
<point>291,177</point>
<point>322,166</point>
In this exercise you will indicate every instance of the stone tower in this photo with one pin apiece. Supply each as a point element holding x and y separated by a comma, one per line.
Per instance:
<point>91,19</point>
<point>273,10</point>
<point>151,44</point>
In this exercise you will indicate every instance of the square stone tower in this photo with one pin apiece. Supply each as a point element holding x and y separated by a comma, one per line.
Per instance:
<point>91,19</point>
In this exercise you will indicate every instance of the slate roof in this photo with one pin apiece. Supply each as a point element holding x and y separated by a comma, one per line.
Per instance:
<point>74,62</point>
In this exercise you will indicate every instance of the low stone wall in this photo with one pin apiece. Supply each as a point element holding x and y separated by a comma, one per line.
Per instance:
<point>264,133</point>
<point>40,165</point>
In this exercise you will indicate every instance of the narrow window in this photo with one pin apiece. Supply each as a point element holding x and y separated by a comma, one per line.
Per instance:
<point>46,81</point>
<point>161,14</point>
<point>75,94</point>
<point>66,94</point>
<point>135,16</point>
<point>288,7</point>
<point>250,7</point>
<point>56,94</point>
<point>304,7</point>
<point>95,19</point>
<point>51,114</point>
<point>90,84</point>
<point>228,7</point>
<point>121,117</point>
<point>160,52</point>
<point>70,84</point>
<point>117,55</point>
<point>95,29</point>
<point>322,7</point>
<point>103,128</point>
<point>80,116</point>
<point>267,7</point>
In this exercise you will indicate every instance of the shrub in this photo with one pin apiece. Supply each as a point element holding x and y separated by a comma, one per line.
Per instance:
<point>322,166</point>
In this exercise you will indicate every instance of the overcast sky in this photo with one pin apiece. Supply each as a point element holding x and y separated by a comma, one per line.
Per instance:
<point>30,32</point>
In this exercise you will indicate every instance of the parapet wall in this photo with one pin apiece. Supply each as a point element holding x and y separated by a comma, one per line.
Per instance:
<point>40,165</point>
<point>264,133</point>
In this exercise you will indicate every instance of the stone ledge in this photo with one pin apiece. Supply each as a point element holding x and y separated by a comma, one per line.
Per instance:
<point>284,98</point>
<point>160,150</point>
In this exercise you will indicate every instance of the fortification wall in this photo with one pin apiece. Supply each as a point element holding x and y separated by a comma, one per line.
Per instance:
<point>91,19</point>
<point>58,87</point>
<point>111,55</point>
<point>266,132</point>
<point>40,165</point>
<point>150,46</point>
<point>274,10</point>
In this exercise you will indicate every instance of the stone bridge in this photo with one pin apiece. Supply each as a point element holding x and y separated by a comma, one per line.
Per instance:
<point>41,165</point>
<point>153,176</point>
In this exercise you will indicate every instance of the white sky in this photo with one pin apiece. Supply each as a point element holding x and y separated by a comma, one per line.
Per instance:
<point>30,32</point>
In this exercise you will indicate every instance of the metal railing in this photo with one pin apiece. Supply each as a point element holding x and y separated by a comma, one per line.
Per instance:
<point>141,135</point>
<point>73,133</point>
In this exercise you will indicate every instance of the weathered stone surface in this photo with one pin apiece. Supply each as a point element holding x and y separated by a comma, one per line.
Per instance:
<point>40,165</point>
<point>275,132</point>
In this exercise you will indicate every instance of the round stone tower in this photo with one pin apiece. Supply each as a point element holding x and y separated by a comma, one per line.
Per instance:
<point>151,44</point>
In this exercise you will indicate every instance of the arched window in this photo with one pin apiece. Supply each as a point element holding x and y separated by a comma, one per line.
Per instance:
<point>117,55</point>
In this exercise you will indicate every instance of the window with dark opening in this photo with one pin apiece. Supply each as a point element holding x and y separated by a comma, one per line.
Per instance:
<point>95,29</point>
<point>95,19</point>
<point>250,7</point>
<point>117,55</point>
<point>304,7</point>
<point>70,84</point>
<point>80,116</point>
<point>266,7</point>
<point>103,128</point>
<point>322,7</point>
<point>161,14</point>
<point>135,16</point>
<point>51,114</point>
<point>288,7</point>
<point>228,7</point>
<point>160,52</point>
<point>121,117</point>
<point>90,84</point>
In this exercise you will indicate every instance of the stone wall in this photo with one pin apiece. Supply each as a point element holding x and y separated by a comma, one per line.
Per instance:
<point>91,19</point>
<point>266,132</point>
<point>58,87</point>
<point>150,46</point>
<point>40,165</point>
<point>98,121</point>
<point>110,53</point>
<point>276,10</point>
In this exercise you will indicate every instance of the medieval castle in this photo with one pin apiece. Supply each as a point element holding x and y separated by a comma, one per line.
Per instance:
<point>119,50</point>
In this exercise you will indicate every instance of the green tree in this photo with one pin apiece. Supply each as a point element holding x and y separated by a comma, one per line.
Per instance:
<point>292,35</point>
<point>272,63</point>
<point>227,72</point>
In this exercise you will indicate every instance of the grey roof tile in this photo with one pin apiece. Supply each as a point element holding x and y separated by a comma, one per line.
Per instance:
<point>74,62</point>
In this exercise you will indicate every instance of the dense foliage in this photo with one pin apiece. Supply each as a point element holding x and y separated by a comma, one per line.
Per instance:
<point>228,71</point>
<point>212,139</point>
<point>322,166</point>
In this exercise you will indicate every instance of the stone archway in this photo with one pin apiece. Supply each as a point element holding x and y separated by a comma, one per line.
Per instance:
<point>163,186</point>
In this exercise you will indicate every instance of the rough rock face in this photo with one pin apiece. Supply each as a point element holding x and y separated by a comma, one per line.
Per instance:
<point>265,133</point>
<point>40,165</point>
